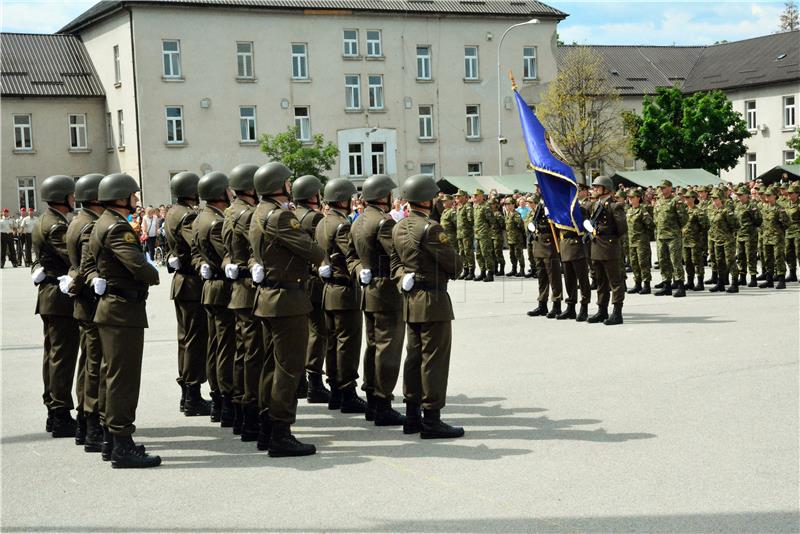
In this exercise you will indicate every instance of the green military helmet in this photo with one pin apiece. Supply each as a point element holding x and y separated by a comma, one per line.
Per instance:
<point>419,188</point>
<point>57,188</point>
<point>271,177</point>
<point>721,194</point>
<point>241,177</point>
<point>184,185</point>
<point>117,186</point>
<point>212,186</point>
<point>604,181</point>
<point>743,190</point>
<point>339,190</point>
<point>86,187</point>
<point>377,187</point>
<point>306,187</point>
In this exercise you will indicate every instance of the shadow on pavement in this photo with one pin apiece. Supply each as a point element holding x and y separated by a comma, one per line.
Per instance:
<point>633,317</point>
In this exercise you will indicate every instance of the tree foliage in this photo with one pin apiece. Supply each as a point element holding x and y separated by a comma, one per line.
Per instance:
<point>582,113</point>
<point>310,157</point>
<point>790,17</point>
<point>689,131</point>
<point>794,144</point>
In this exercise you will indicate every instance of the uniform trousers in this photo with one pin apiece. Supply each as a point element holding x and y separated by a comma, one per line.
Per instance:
<point>427,364</point>
<point>284,342</point>
<point>549,275</point>
<point>670,258</point>
<point>317,349</point>
<point>610,282</point>
<point>62,341</point>
<point>383,352</point>
<point>344,346</point>
<point>122,355</point>
<point>219,362</point>
<point>576,275</point>
<point>747,252</point>
<point>192,342</point>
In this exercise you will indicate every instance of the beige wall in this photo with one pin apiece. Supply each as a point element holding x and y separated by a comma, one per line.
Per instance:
<point>51,153</point>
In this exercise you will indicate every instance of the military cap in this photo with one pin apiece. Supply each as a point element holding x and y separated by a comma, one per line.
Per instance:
<point>720,194</point>
<point>86,187</point>
<point>743,190</point>
<point>184,185</point>
<point>479,191</point>
<point>57,188</point>
<point>508,200</point>
<point>212,186</point>
<point>771,190</point>
<point>690,193</point>
<point>762,189</point>
<point>461,193</point>
<point>620,193</point>
<point>241,177</point>
<point>448,197</point>
<point>636,192</point>
<point>306,187</point>
<point>117,186</point>
<point>794,188</point>
<point>665,183</point>
<point>419,188</point>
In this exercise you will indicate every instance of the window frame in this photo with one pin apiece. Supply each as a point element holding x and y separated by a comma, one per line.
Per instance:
<point>375,92</point>
<point>242,59</point>
<point>120,129</point>
<point>300,60</point>
<point>529,62</point>
<point>28,190</point>
<point>349,43</point>
<point>379,42</point>
<point>117,67</point>
<point>19,132</point>
<point>352,92</point>
<point>751,169</point>
<point>424,62</point>
<point>751,114</point>
<point>789,109</point>
<point>433,168</point>
<point>252,122</point>
<point>169,54</point>
<point>175,121</point>
<point>355,158</point>
<point>299,120</point>
<point>786,160</point>
<point>424,118</point>
<point>76,129</point>
<point>377,166</point>
<point>473,121</point>
<point>109,131</point>
<point>479,172</point>
<point>471,59</point>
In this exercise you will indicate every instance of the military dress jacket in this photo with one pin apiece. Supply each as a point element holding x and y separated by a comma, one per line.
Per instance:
<point>610,229</point>
<point>544,244</point>
<point>309,219</point>
<point>514,227</point>
<point>425,250</point>
<point>122,264</point>
<point>571,244</point>
<point>341,291</point>
<point>284,250</point>
<point>82,264</point>
<point>483,220</point>
<point>372,237</point>
<point>235,236</point>
<point>186,282</point>
<point>207,230</point>
<point>449,222</point>
<point>49,240</point>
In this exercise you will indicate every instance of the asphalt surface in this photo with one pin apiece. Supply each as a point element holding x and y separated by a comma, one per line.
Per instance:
<point>684,419</point>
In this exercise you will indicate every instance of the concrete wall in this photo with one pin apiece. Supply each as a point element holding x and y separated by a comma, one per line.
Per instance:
<point>51,152</point>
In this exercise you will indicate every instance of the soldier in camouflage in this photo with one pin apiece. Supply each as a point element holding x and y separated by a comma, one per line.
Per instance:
<point>776,222</point>
<point>722,226</point>
<point>448,219</point>
<point>704,203</point>
<point>515,236</point>
<point>498,223</point>
<point>640,224</point>
<point>693,235</point>
<point>748,216</point>
<point>792,207</point>
<point>484,251</point>
<point>466,236</point>
<point>670,216</point>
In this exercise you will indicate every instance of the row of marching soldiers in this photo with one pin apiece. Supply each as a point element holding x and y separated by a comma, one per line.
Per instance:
<point>268,301</point>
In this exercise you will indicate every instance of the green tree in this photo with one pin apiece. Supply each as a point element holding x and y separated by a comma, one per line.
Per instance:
<point>303,157</point>
<point>794,144</point>
<point>790,17</point>
<point>700,130</point>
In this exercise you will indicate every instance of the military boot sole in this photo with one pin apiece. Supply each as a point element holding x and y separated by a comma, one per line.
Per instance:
<point>433,434</point>
<point>412,427</point>
<point>195,411</point>
<point>392,418</point>
<point>309,450</point>
<point>318,397</point>
<point>248,436</point>
<point>93,447</point>
<point>135,462</point>
<point>63,433</point>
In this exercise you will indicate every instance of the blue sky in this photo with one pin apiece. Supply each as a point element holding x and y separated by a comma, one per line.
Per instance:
<point>590,22</point>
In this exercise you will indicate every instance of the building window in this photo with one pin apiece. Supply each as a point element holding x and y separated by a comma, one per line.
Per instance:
<point>171,52</point>
<point>26,192</point>
<point>529,63</point>
<point>350,43</point>
<point>789,156</point>
<point>244,60</point>
<point>423,62</point>
<point>175,125</point>
<point>428,168</point>
<point>117,69</point>
<point>120,129</point>
<point>750,111</point>
<point>470,62</point>
<point>752,172</point>
<point>474,169</point>
<point>378,151</point>
<point>374,48</point>
<point>789,120</point>
<point>302,121</point>
<point>375,91</point>
<point>299,61</point>
<point>352,90</point>
<point>77,132</point>
<point>109,133</point>
<point>426,122</point>
<point>23,132</point>
<point>473,122</point>
<point>247,124</point>
<point>354,160</point>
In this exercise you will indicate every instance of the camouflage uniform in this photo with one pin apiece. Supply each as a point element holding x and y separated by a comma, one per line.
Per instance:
<point>722,233</point>
<point>465,235</point>
<point>449,222</point>
<point>776,222</point>
<point>693,235</point>
<point>640,224</point>
<point>515,235</point>
<point>670,216</point>
<point>793,233</point>
<point>708,253</point>
<point>484,251</point>
<point>748,216</point>
<point>497,237</point>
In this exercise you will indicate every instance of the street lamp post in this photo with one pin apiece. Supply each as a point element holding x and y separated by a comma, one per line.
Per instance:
<point>499,96</point>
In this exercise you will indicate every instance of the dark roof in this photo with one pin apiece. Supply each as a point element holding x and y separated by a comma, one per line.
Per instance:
<point>508,8</point>
<point>639,70</point>
<point>746,63</point>
<point>46,65</point>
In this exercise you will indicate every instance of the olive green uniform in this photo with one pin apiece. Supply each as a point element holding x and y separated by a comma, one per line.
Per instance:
<point>484,249</point>
<point>498,223</point>
<point>640,225</point>
<point>515,236</point>
<point>776,221</point>
<point>575,266</point>
<point>548,262</point>
<point>693,236</point>
<point>610,229</point>
<point>450,224</point>
<point>466,235</point>
<point>670,216</point>
<point>792,236</point>
<point>748,217</point>
<point>722,235</point>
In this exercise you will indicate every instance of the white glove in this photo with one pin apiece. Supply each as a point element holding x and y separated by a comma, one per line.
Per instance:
<point>99,285</point>
<point>64,282</point>
<point>150,260</point>
<point>174,262</point>
<point>257,272</point>
<point>531,227</point>
<point>38,275</point>
<point>587,224</point>
<point>408,281</point>
<point>205,271</point>
<point>546,212</point>
<point>366,276</point>
<point>232,271</point>
<point>325,271</point>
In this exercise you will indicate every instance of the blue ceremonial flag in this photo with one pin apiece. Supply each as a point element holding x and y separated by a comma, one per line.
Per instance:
<point>556,179</point>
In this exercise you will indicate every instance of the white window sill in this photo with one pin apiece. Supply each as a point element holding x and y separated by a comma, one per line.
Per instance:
<point>424,80</point>
<point>117,84</point>
<point>248,143</point>
<point>80,150</point>
<point>473,80</point>
<point>351,58</point>
<point>474,139</point>
<point>426,139</point>
<point>530,80</point>
<point>753,131</point>
<point>173,79</point>
<point>110,150</point>
<point>24,151</point>
<point>121,148</point>
<point>377,110</point>
<point>353,110</point>
<point>301,80</point>
<point>242,79</point>
<point>376,58</point>
<point>788,129</point>
<point>306,142</point>
<point>176,145</point>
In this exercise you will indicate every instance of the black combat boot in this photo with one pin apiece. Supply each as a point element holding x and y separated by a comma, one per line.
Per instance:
<point>335,402</point>
<point>645,288</point>
<point>615,317</point>
<point>264,431</point>
<point>216,406</point>
<point>501,269</point>
<point>763,285</point>
<point>734,287</point>
<point>226,414</point>
<point>753,282</point>
<point>600,316</point>
<point>489,276</point>
<point>541,310</point>
<point>195,403</point>
<point>413,424</point>
<point>372,406</point>
<point>80,428</point>
<point>719,286</point>
<point>48,424</point>
<point>250,426</point>
<point>64,426</point>
<point>714,278</point>
<point>792,275</point>
<point>529,273</point>
<point>699,285</point>
<point>480,277</point>
<point>583,314</point>
<point>302,387</point>
<point>659,285</point>
<point>385,415</point>
<point>282,443</point>
<point>128,455</point>
<point>237,419</point>
<point>637,288</point>
<point>434,428</point>
<point>183,396</point>
<point>742,279</point>
<point>94,434</point>
<point>317,392</point>
<point>470,275</point>
<point>761,277</point>
<point>463,274</point>
<point>555,311</point>
<point>108,445</point>
<point>351,402</point>
<point>680,291</point>
<point>781,282</point>
<point>666,289</point>
<point>689,283</point>
<point>569,313</point>
<point>513,271</point>
<point>521,272</point>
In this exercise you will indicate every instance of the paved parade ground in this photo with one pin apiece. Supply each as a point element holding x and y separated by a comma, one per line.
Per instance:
<point>684,419</point>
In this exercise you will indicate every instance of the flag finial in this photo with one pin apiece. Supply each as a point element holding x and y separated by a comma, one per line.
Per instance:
<point>513,81</point>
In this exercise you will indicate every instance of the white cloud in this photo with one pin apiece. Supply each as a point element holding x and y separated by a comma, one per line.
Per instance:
<point>39,16</point>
